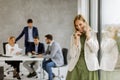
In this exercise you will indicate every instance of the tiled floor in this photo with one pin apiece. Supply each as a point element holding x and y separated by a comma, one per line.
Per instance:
<point>63,71</point>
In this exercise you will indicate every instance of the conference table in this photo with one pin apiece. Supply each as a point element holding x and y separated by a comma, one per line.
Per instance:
<point>23,58</point>
<point>20,57</point>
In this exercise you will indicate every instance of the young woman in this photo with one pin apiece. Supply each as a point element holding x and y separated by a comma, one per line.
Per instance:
<point>83,64</point>
<point>12,49</point>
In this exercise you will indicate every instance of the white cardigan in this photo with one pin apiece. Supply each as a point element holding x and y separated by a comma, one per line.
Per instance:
<point>12,53</point>
<point>109,51</point>
<point>91,49</point>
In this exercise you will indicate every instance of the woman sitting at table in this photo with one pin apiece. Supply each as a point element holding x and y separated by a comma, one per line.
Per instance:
<point>12,49</point>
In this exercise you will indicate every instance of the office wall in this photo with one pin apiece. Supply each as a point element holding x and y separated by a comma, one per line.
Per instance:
<point>50,16</point>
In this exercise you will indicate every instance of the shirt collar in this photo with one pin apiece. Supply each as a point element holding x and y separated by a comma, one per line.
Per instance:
<point>36,44</point>
<point>51,43</point>
<point>30,28</point>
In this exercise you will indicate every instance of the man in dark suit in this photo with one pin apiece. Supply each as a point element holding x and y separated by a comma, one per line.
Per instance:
<point>30,32</point>
<point>37,49</point>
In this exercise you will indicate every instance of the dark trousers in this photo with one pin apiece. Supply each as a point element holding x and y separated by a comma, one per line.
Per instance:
<point>1,73</point>
<point>28,47</point>
<point>14,64</point>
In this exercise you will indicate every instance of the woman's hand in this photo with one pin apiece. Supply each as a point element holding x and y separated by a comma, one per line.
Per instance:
<point>87,31</point>
<point>88,35</point>
<point>77,35</point>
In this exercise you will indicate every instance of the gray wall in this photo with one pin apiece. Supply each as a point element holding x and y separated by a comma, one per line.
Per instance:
<point>50,16</point>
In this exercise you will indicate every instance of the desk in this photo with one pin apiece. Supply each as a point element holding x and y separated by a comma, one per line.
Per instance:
<point>23,58</point>
<point>19,58</point>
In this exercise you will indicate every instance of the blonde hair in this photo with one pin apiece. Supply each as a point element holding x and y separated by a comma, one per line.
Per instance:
<point>80,17</point>
<point>11,37</point>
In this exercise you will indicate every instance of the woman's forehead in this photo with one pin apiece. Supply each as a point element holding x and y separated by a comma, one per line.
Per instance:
<point>78,21</point>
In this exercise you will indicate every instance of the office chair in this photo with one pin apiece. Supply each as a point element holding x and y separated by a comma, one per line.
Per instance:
<point>9,69</point>
<point>65,52</point>
<point>4,50</point>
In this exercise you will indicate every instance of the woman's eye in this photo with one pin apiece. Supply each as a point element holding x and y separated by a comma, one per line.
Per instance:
<point>80,24</point>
